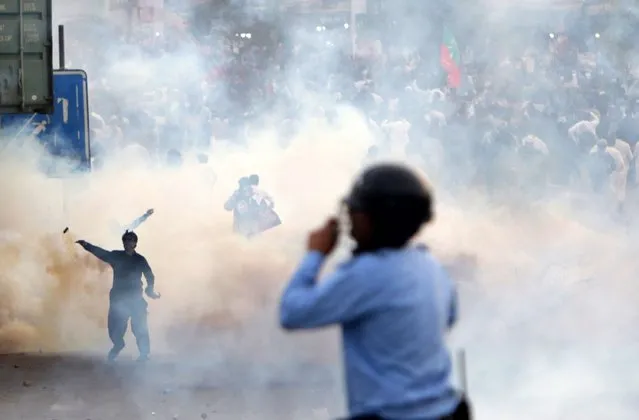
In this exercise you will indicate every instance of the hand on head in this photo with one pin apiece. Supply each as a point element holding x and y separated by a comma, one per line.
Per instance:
<point>324,238</point>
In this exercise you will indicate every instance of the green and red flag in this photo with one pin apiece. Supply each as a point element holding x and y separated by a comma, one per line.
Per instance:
<point>450,58</point>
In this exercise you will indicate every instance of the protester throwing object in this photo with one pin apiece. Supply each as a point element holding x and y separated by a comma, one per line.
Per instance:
<point>125,298</point>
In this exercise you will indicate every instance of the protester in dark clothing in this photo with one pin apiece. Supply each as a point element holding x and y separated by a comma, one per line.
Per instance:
<point>125,298</point>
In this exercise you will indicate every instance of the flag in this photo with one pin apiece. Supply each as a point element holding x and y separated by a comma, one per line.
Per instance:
<point>450,58</point>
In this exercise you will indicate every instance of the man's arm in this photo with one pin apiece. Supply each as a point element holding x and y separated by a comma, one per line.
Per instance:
<point>102,254</point>
<point>268,199</point>
<point>148,274</point>
<point>339,298</point>
<point>231,202</point>
<point>137,222</point>
<point>150,280</point>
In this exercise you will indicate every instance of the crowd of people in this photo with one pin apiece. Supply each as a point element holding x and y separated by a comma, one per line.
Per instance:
<point>550,117</point>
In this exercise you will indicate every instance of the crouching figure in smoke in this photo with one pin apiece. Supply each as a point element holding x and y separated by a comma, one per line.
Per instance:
<point>253,209</point>
<point>125,298</point>
<point>394,302</point>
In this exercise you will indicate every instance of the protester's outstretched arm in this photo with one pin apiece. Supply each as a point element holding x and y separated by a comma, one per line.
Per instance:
<point>102,254</point>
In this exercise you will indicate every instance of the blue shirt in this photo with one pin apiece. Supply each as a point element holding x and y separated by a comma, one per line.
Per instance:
<point>395,307</point>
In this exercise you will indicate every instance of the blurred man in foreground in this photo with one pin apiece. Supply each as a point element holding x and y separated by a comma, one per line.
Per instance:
<point>394,302</point>
<point>126,300</point>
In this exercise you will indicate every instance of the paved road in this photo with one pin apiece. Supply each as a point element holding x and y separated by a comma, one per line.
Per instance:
<point>573,356</point>
<point>71,387</point>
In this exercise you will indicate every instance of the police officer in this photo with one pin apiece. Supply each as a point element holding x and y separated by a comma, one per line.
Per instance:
<point>394,302</point>
<point>125,299</point>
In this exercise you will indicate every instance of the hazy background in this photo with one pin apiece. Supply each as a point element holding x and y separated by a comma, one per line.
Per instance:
<point>548,287</point>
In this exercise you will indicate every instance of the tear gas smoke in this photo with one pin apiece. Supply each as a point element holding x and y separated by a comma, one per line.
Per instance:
<point>214,283</point>
<point>545,293</point>
<point>219,290</point>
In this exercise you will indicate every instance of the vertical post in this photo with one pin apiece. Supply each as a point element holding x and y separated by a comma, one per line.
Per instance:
<point>21,65</point>
<point>61,55</point>
<point>461,368</point>
<point>62,65</point>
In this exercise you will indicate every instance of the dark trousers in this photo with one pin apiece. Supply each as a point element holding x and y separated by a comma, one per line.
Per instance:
<point>462,412</point>
<point>121,309</point>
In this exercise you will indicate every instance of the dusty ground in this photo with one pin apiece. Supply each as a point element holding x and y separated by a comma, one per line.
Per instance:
<point>570,353</point>
<point>74,387</point>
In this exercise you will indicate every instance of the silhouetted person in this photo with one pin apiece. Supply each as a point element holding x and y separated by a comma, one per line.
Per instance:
<point>125,298</point>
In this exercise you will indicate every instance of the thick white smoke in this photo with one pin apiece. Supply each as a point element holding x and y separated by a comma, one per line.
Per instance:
<point>547,294</point>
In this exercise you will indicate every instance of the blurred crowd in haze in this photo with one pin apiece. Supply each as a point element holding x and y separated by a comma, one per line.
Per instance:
<point>556,111</point>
